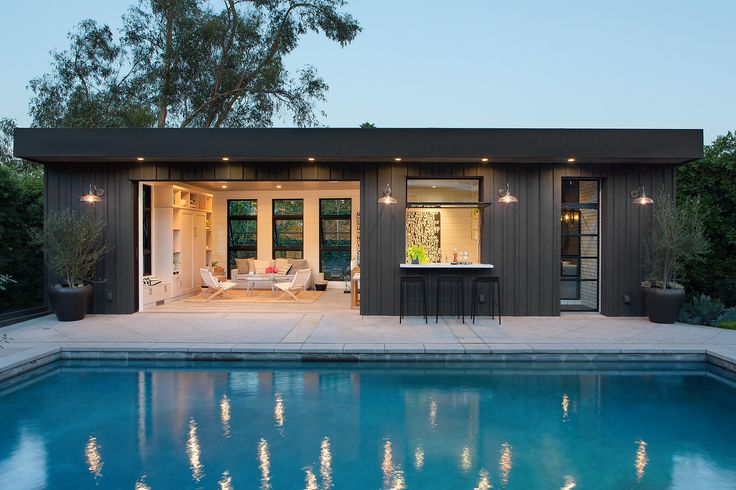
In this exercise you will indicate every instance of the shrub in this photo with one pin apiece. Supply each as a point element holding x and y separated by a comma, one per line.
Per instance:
<point>676,238</point>
<point>701,310</point>
<point>74,243</point>
<point>713,181</point>
<point>726,316</point>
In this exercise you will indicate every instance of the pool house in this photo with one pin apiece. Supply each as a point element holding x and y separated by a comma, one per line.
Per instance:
<point>550,220</point>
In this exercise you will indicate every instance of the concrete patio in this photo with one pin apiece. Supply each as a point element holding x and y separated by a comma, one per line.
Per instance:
<point>569,337</point>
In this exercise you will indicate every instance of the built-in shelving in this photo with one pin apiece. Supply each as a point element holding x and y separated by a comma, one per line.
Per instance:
<point>182,238</point>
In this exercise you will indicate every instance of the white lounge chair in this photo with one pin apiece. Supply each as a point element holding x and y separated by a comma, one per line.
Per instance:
<point>214,284</point>
<point>297,285</point>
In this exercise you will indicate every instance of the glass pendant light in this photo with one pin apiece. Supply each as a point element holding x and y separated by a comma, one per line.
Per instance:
<point>640,197</point>
<point>505,196</point>
<point>94,195</point>
<point>387,198</point>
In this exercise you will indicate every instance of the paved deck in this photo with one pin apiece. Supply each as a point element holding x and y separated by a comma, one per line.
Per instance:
<point>349,333</point>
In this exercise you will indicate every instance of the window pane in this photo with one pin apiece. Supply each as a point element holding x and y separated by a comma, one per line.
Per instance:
<point>570,191</point>
<point>287,254</point>
<point>288,233</point>
<point>243,207</point>
<point>570,267</point>
<point>288,207</point>
<point>335,206</point>
<point>570,245</point>
<point>243,233</point>
<point>569,221</point>
<point>335,264</point>
<point>239,254</point>
<point>442,190</point>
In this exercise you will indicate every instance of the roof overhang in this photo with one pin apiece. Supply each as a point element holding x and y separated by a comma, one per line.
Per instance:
<point>665,146</point>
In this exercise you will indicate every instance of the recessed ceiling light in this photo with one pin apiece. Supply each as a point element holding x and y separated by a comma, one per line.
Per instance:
<point>483,159</point>
<point>225,159</point>
<point>571,159</point>
<point>224,186</point>
<point>140,159</point>
<point>434,187</point>
<point>278,186</point>
<point>397,159</point>
<point>311,159</point>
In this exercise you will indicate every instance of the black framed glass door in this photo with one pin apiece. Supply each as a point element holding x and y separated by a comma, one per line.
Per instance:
<point>579,244</point>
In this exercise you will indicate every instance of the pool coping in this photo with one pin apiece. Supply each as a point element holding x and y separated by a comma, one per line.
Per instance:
<point>35,357</point>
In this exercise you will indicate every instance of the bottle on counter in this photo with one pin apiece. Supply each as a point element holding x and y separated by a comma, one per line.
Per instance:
<point>454,255</point>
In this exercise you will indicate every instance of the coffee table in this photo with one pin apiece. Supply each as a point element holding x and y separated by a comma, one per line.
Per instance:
<point>251,280</point>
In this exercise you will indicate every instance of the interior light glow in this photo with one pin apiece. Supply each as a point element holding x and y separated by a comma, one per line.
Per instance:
<point>279,186</point>
<point>483,160</point>
<point>140,159</point>
<point>571,160</point>
<point>311,159</point>
<point>225,159</point>
<point>224,186</point>
<point>397,159</point>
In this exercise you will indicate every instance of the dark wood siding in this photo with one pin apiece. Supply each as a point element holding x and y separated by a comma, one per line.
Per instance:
<point>521,240</point>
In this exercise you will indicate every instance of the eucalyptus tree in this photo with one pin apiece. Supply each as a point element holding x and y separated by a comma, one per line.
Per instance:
<point>186,63</point>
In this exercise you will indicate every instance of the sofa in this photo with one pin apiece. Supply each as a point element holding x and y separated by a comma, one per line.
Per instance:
<point>239,275</point>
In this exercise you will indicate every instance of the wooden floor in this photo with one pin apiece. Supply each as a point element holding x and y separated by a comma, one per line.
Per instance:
<point>331,301</point>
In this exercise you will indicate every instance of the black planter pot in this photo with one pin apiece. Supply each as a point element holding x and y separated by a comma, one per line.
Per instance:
<point>663,305</point>
<point>70,304</point>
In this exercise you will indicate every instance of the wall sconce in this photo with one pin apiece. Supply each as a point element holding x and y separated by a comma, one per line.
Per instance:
<point>640,197</point>
<point>94,195</point>
<point>505,196</point>
<point>387,198</point>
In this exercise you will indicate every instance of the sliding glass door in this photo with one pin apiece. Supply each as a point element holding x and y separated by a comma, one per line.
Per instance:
<point>579,247</point>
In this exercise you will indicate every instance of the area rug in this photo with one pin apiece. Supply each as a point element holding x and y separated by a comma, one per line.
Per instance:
<point>257,296</point>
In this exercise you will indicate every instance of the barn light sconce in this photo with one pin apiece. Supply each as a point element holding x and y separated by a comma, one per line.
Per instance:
<point>387,198</point>
<point>505,196</point>
<point>94,195</point>
<point>640,197</point>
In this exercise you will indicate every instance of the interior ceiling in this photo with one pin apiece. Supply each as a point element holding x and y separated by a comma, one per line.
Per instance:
<point>286,185</point>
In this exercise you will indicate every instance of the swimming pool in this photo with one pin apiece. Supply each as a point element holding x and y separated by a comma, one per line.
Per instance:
<point>368,426</point>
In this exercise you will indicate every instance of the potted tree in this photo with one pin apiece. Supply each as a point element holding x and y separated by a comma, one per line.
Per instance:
<point>677,236</point>
<point>73,243</point>
<point>416,254</point>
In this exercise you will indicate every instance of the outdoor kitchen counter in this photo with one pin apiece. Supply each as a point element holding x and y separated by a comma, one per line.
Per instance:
<point>431,272</point>
<point>445,265</point>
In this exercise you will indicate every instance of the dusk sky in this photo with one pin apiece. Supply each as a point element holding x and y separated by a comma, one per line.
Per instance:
<point>577,63</point>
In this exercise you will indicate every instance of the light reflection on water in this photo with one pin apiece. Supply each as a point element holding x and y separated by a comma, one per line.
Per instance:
<point>383,433</point>
<point>194,451</point>
<point>225,415</point>
<point>504,463</point>
<point>569,483</point>
<point>264,464</point>
<point>278,410</point>
<point>419,458</point>
<point>640,463</point>
<point>484,480</point>
<point>325,464</point>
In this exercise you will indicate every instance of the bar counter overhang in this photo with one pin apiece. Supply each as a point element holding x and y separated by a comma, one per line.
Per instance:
<point>431,271</point>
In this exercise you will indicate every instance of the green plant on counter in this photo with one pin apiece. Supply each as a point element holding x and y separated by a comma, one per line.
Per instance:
<point>416,253</point>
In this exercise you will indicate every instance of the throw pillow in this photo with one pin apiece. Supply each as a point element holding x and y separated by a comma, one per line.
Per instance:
<point>282,265</point>
<point>242,265</point>
<point>260,266</point>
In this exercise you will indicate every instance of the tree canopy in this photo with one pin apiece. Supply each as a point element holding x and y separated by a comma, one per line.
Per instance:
<point>713,180</point>
<point>184,63</point>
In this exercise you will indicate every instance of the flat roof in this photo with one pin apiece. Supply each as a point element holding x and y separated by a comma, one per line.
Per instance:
<point>665,146</point>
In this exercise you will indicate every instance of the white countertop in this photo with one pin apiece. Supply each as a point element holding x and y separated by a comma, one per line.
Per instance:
<point>445,265</point>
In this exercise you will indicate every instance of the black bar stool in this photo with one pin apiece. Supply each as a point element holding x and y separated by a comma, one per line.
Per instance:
<point>459,297</point>
<point>405,281</point>
<point>493,283</point>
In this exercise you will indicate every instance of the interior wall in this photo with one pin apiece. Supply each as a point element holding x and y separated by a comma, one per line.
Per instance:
<point>265,199</point>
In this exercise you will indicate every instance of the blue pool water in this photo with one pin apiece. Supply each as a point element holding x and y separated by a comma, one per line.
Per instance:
<point>368,426</point>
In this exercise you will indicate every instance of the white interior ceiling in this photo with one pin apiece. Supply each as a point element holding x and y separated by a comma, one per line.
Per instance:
<point>286,185</point>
